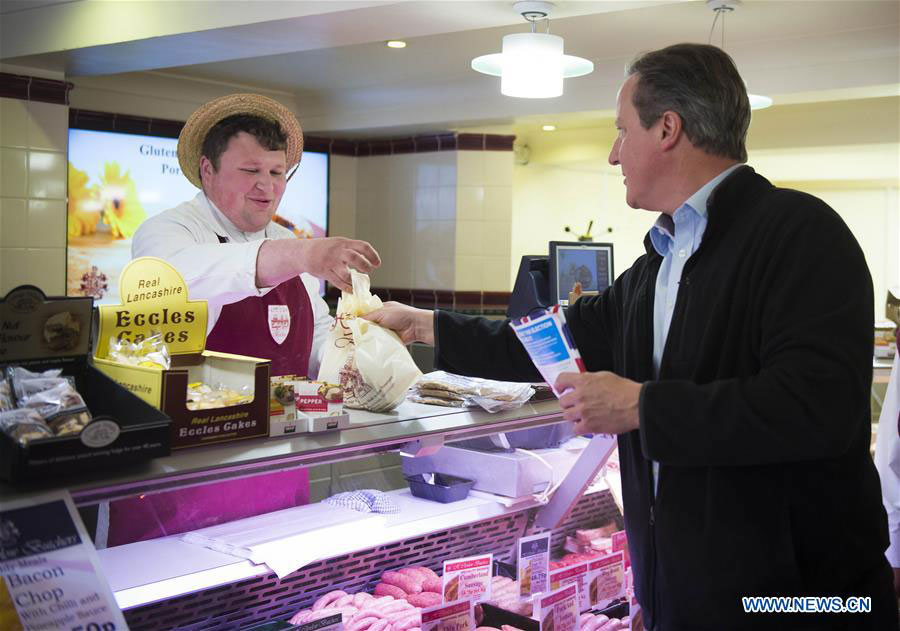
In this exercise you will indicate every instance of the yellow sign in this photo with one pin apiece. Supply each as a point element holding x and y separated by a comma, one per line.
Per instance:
<point>154,300</point>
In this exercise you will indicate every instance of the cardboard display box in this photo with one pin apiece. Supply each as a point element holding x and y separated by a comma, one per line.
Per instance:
<point>155,301</point>
<point>40,333</point>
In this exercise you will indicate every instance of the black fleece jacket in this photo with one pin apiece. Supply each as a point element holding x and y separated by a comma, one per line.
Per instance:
<point>759,417</point>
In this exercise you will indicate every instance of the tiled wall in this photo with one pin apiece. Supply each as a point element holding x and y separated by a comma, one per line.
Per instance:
<point>440,220</point>
<point>406,207</point>
<point>33,138</point>
<point>484,220</point>
<point>342,196</point>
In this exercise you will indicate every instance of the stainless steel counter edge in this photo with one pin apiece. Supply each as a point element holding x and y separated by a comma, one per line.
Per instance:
<point>368,434</point>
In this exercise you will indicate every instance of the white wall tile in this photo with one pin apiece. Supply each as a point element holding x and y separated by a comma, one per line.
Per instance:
<point>46,223</point>
<point>470,168</point>
<point>447,203</point>
<point>402,169</point>
<point>13,223</point>
<point>13,123</point>
<point>497,237</point>
<point>470,238</point>
<point>46,175</point>
<point>445,246</point>
<point>13,172</point>
<point>342,213</point>
<point>469,273</point>
<point>426,203</point>
<point>47,269</point>
<point>13,269</point>
<point>470,203</point>
<point>372,172</point>
<point>342,172</point>
<point>49,126</point>
<point>496,276</point>
<point>428,170</point>
<point>498,203</point>
<point>498,167</point>
<point>446,161</point>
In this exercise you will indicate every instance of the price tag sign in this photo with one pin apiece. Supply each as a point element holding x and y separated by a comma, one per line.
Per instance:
<point>533,565</point>
<point>51,575</point>
<point>559,610</point>
<point>455,616</point>
<point>573,574</point>
<point>330,623</point>
<point>620,544</point>
<point>606,579</point>
<point>468,578</point>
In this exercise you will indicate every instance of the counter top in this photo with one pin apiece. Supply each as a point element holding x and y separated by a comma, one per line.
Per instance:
<point>368,433</point>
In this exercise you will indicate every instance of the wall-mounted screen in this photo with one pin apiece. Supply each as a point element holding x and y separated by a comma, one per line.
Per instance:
<point>116,181</point>
<point>587,263</point>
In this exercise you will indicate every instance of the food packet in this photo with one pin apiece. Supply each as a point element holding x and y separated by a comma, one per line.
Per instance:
<point>6,398</point>
<point>370,362</point>
<point>150,352</point>
<point>201,396</point>
<point>444,388</point>
<point>61,407</point>
<point>24,425</point>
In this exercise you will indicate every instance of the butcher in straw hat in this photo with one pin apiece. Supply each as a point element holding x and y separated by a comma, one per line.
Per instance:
<point>259,279</point>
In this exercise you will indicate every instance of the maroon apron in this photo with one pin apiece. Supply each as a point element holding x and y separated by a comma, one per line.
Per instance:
<point>277,326</point>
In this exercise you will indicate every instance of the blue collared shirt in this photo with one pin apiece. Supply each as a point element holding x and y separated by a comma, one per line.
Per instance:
<point>676,238</point>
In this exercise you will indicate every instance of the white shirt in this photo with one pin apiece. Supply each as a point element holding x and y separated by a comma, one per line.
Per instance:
<point>887,460</point>
<point>676,238</point>
<point>187,237</point>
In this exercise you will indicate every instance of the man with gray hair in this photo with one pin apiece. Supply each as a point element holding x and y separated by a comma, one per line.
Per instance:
<point>733,360</point>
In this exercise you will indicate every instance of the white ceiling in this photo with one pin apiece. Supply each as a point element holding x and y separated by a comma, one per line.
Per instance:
<point>329,57</point>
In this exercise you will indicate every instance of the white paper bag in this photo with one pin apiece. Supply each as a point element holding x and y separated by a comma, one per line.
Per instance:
<point>369,361</point>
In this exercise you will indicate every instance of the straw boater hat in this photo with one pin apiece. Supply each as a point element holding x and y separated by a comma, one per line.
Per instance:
<point>190,141</point>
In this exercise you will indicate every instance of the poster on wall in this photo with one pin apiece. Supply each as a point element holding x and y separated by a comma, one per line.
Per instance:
<point>116,181</point>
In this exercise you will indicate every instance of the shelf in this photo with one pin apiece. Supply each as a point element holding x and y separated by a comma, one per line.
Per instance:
<point>368,433</point>
<point>170,567</point>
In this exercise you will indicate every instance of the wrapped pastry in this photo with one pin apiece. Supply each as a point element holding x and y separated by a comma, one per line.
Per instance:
<point>151,352</point>
<point>201,396</point>
<point>24,425</point>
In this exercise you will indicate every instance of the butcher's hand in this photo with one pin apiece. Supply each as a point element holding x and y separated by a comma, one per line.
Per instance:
<point>332,257</point>
<point>599,402</point>
<point>411,324</point>
<point>329,258</point>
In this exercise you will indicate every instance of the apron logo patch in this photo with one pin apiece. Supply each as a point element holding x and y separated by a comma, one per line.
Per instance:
<point>279,322</point>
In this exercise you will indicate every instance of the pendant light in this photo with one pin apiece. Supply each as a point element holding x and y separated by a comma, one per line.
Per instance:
<point>532,65</point>
<point>722,8</point>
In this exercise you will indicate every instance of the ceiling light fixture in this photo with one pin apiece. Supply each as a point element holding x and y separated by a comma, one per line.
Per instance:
<point>532,65</point>
<point>395,43</point>
<point>722,8</point>
<point>549,128</point>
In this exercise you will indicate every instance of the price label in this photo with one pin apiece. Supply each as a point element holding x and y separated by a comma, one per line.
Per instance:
<point>467,578</point>
<point>533,565</point>
<point>455,616</point>
<point>51,576</point>
<point>573,574</point>
<point>606,579</point>
<point>559,610</point>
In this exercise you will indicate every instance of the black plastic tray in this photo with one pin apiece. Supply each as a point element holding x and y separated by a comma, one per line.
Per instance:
<point>446,488</point>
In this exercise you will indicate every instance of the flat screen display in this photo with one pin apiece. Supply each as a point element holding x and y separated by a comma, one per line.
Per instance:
<point>590,264</point>
<point>116,181</point>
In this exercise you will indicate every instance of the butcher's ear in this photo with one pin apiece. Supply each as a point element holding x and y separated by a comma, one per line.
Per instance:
<point>670,129</point>
<point>207,170</point>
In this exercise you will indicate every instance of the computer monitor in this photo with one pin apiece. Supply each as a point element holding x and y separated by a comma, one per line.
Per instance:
<point>590,264</point>
<point>532,289</point>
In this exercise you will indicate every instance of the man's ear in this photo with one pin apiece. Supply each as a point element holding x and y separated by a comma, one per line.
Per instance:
<point>670,130</point>
<point>206,168</point>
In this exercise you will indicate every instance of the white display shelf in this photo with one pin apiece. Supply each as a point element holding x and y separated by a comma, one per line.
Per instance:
<point>151,571</point>
<point>369,433</point>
